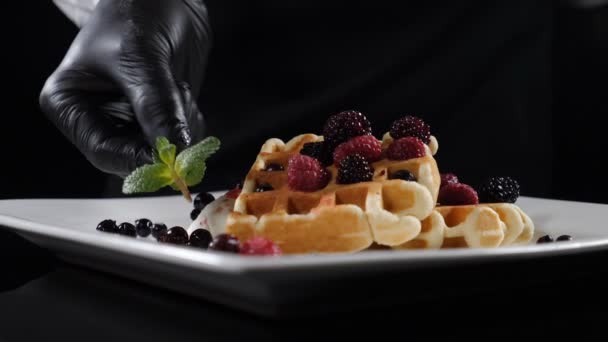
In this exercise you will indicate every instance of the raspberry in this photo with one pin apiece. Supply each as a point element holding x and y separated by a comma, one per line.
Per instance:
<point>343,126</point>
<point>305,173</point>
<point>499,190</point>
<point>260,246</point>
<point>406,148</point>
<point>318,151</point>
<point>354,169</point>
<point>448,178</point>
<point>411,126</point>
<point>457,194</point>
<point>365,145</point>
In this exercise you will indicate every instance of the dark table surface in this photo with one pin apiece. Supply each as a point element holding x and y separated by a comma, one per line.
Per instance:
<point>43,298</point>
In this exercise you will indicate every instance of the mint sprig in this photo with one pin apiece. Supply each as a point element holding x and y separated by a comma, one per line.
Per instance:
<point>179,172</point>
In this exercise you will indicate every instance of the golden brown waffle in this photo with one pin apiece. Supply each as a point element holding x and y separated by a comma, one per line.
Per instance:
<point>340,217</point>
<point>483,225</point>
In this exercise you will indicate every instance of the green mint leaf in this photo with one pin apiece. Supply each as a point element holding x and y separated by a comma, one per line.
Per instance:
<point>147,178</point>
<point>190,163</point>
<point>155,158</point>
<point>161,142</point>
<point>164,152</point>
<point>167,154</point>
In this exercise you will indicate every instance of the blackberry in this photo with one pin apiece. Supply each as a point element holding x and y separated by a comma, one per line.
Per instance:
<point>411,126</point>
<point>403,174</point>
<point>354,169</point>
<point>319,151</point>
<point>499,190</point>
<point>343,126</point>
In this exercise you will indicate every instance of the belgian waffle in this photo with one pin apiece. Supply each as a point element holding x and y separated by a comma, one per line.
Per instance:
<point>339,217</point>
<point>482,225</point>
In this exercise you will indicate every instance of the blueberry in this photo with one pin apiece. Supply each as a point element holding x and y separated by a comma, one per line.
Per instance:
<point>264,187</point>
<point>564,238</point>
<point>201,200</point>
<point>108,226</point>
<point>194,214</point>
<point>403,174</point>
<point>157,229</point>
<point>274,167</point>
<point>143,227</point>
<point>225,243</point>
<point>200,238</point>
<point>127,229</point>
<point>545,239</point>
<point>176,235</point>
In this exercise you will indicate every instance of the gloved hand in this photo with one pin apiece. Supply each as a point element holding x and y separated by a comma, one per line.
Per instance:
<point>132,74</point>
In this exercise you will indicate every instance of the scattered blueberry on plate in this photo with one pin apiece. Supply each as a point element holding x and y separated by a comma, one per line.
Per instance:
<point>200,238</point>
<point>202,199</point>
<point>127,229</point>
<point>108,226</point>
<point>143,227</point>
<point>225,243</point>
<point>157,229</point>
<point>176,235</point>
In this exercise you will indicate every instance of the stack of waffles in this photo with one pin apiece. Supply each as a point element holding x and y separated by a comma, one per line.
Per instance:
<point>381,211</point>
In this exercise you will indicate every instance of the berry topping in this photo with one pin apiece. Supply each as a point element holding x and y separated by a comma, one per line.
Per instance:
<point>127,229</point>
<point>143,227</point>
<point>318,151</point>
<point>411,126</point>
<point>234,193</point>
<point>273,167</point>
<point>225,243</point>
<point>260,246</point>
<point>499,190</point>
<point>344,126</point>
<point>545,239</point>
<point>158,229</point>
<point>200,238</point>
<point>194,214</point>
<point>176,235</point>
<point>457,194</point>
<point>354,169</point>
<point>448,178</point>
<point>403,174</point>
<point>108,226</point>
<point>406,148</point>
<point>305,173</point>
<point>366,145</point>
<point>201,200</point>
<point>564,238</point>
<point>264,187</point>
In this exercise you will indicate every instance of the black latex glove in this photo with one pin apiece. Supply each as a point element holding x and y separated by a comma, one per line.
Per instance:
<point>132,74</point>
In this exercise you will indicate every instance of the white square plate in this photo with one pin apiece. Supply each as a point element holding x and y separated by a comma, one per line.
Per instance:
<point>263,285</point>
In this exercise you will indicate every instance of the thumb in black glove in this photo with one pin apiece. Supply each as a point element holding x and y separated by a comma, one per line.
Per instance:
<point>131,75</point>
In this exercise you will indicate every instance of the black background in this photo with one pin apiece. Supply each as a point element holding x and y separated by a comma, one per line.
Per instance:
<point>38,162</point>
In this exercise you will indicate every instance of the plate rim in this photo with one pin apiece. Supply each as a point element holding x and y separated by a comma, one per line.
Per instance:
<point>236,264</point>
